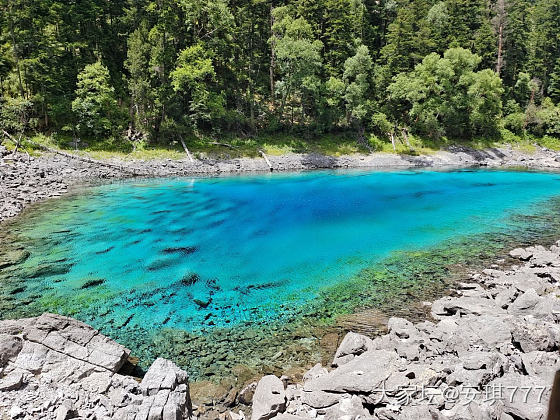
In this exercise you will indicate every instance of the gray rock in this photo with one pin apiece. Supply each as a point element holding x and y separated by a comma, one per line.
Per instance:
<point>521,254</point>
<point>363,374</point>
<point>523,397</point>
<point>533,335</point>
<point>315,372</point>
<point>11,382</point>
<point>10,346</point>
<point>540,363</point>
<point>466,305</point>
<point>504,297</point>
<point>163,375</point>
<point>269,398</point>
<point>245,396</point>
<point>76,339</point>
<point>348,408</point>
<point>352,345</point>
<point>525,303</point>
<point>402,328</point>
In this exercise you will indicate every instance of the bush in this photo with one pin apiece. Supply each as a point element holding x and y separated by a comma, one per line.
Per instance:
<point>515,122</point>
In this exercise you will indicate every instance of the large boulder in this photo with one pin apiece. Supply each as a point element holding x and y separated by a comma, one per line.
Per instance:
<point>364,374</point>
<point>77,340</point>
<point>64,366</point>
<point>269,398</point>
<point>10,346</point>
<point>531,334</point>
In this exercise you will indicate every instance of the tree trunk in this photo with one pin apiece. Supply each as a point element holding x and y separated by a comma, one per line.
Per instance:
<point>500,46</point>
<point>405,135</point>
<point>499,22</point>
<point>271,69</point>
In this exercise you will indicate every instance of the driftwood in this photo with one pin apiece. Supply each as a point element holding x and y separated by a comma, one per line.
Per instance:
<point>16,142</point>
<point>88,160</point>
<point>185,149</point>
<point>393,142</point>
<point>266,159</point>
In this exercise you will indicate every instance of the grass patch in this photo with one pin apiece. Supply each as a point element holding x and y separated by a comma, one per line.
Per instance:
<point>230,146</point>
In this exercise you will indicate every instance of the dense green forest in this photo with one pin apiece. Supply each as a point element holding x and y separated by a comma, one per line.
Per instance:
<point>154,71</point>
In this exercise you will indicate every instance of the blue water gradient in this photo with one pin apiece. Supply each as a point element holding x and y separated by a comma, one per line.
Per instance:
<point>200,253</point>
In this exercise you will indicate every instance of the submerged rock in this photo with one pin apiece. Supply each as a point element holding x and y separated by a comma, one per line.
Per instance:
<point>183,250</point>
<point>13,258</point>
<point>92,283</point>
<point>190,279</point>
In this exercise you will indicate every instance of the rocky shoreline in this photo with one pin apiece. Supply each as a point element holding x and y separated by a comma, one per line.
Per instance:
<point>25,179</point>
<point>499,331</point>
<point>489,351</point>
<point>54,367</point>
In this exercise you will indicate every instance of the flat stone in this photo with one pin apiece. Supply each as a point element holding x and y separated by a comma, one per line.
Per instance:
<point>11,382</point>
<point>363,374</point>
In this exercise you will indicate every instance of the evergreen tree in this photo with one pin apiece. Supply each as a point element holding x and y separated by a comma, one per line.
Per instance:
<point>95,106</point>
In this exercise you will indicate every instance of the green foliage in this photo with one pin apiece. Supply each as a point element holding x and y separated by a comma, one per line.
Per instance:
<point>554,84</point>
<point>15,115</point>
<point>250,67</point>
<point>95,106</point>
<point>445,96</point>
<point>356,77</point>
<point>515,122</point>
<point>194,78</point>
<point>380,121</point>
<point>299,61</point>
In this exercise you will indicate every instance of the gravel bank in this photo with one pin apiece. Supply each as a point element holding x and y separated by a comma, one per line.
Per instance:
<point>24,179</point>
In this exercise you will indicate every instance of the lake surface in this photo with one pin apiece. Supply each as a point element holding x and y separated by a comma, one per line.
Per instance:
<point>199,255</point>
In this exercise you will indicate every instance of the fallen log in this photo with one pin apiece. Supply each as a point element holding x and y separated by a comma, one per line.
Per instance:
<point>186,150</point>
<point>83,158</point>
<point>266,159</point>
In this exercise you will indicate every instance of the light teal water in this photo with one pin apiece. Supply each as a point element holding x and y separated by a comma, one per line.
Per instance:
<point>197,254</point>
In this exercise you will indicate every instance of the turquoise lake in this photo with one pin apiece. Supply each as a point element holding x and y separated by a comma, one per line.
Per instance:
<point>205,254</point>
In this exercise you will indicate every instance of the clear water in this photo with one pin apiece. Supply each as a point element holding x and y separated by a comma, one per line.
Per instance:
<point>203,253</point>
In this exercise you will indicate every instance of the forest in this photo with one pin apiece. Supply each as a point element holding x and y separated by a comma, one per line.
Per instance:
<point>380,71</point>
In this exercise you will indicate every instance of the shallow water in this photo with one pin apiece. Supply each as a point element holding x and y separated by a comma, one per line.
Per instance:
<point>198,255</point>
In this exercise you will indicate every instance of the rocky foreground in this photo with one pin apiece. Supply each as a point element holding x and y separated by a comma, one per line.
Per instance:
<point>490,352</point>
<point>54,367</point>
<point>25,179</point>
